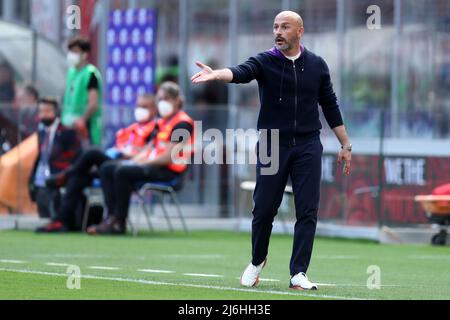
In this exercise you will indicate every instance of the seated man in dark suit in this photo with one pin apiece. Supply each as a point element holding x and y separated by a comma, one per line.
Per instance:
<point>58,149</point>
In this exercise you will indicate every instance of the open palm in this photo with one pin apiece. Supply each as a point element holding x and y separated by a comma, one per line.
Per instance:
<point>205,75</point>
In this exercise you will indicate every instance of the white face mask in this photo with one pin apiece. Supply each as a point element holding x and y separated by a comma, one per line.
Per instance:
<point>73,59</point>
<point>165,108</point>
<point>141,114</point>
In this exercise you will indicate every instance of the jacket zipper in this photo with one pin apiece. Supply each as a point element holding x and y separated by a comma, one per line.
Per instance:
<point>295,114</point>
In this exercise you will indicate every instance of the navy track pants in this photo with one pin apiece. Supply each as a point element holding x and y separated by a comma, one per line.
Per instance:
<point>303,163</point>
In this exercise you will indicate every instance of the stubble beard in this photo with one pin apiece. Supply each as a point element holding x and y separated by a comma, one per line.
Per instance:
<point>284,47</point>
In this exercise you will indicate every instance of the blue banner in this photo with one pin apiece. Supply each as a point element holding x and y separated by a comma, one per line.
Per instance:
<point>131,43</point>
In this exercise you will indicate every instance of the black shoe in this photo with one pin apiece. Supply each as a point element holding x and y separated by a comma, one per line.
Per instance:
<point>53,227</point>
<point>110,226</point>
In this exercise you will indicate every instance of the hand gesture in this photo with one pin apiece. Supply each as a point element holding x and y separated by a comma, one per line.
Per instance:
<point>346,157</point>
<point>207,74</point>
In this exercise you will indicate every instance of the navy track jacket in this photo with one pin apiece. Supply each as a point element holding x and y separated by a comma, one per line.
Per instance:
<point>290,93</point>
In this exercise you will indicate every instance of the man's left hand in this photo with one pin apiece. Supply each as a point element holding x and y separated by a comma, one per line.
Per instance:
<point>346,157</point>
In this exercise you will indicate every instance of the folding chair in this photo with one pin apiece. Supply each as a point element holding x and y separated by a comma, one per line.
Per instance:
<point>160,190</point>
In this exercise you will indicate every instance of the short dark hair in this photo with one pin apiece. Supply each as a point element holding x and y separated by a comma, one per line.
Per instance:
<point>51,101</point>
<point>80,42</point>
<point>32,90</point>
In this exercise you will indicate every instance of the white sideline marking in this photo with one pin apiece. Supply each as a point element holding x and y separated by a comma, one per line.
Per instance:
<point>202,275</point>
<point>155,271</point>
<point>55,264</point>
<point>67,255</point>
<point>269,280</point>
<point>263,279</point>
<point>430,257</point>
<point>326,284</point>
<point>353,285</point>
<point>12,261</point>
<point>189,285</point>
<point>331,284</point>
<point>103,268</point>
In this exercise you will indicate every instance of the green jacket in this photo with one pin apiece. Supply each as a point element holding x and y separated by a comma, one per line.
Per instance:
<point>76,100</point>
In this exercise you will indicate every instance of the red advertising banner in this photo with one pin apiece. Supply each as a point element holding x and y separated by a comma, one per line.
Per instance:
<point>355,200</point>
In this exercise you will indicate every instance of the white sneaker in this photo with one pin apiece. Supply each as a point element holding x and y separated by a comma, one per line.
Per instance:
<point>301,282</point>
<point>250,277</point>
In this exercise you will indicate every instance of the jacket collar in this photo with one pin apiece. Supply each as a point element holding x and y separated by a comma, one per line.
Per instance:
<point>277,53</point>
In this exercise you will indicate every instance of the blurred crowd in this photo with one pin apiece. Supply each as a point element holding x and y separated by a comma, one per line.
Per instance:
<point>69,154</point>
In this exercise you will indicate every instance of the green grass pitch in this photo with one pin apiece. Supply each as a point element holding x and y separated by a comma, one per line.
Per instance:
<point>207,265</point>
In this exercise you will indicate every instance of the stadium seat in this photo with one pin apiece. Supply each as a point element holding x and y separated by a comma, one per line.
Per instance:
<point>161,190</point>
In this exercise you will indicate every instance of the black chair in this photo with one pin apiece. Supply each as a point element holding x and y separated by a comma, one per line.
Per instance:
<point>161,190</point>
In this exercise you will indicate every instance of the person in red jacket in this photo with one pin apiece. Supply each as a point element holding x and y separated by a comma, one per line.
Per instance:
<point>130,141</point>
<point>120,179</point>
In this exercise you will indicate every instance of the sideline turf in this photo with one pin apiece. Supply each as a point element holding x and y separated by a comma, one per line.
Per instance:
<point>407,271</point>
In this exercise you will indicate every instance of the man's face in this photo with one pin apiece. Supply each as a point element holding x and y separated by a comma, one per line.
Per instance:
<point>46,112</point>
<point>287,31</point>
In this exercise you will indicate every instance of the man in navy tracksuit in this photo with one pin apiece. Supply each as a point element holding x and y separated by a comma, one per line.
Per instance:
<point>292,81</point>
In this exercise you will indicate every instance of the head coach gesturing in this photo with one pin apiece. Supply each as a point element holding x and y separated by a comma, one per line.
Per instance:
<point>292,82</point>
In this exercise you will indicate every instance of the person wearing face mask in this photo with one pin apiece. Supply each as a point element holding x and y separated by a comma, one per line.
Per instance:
<point>82,107</point>
<point>59,147</point>
<point>130,141</point>
<point>156,164</point>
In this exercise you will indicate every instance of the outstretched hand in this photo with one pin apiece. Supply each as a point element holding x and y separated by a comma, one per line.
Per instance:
<point>205,75</point>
